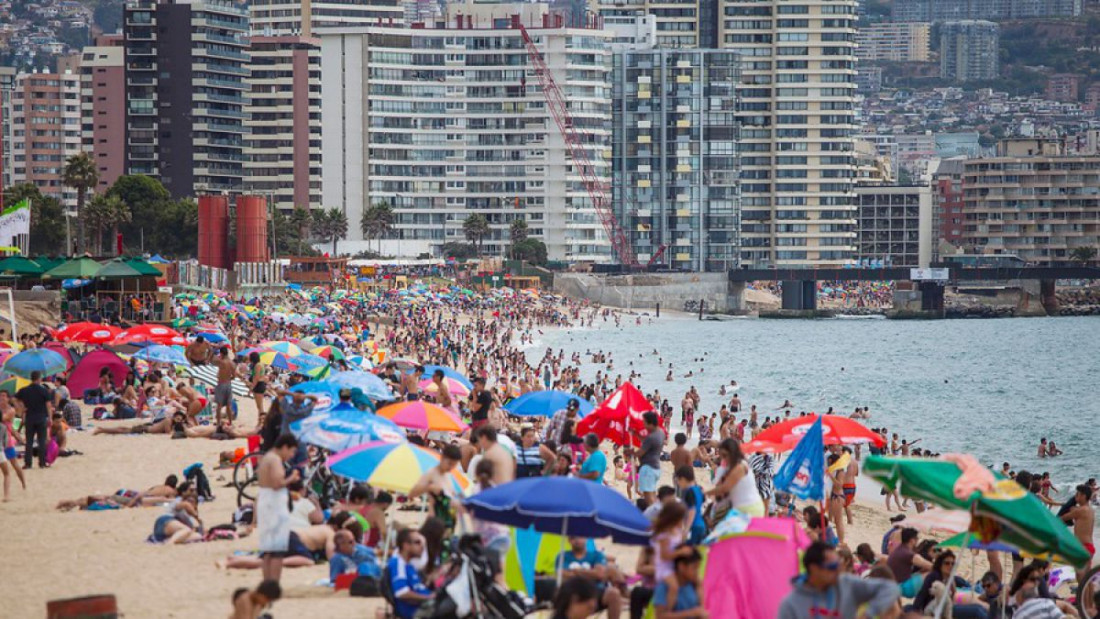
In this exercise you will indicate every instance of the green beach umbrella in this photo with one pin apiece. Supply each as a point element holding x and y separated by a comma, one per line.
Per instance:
<point>183,323</point>
<point>117,269</point>
<point>18,265</point>
<point>1023,521</point>
<point>143,267</point>
<point>79,268</point>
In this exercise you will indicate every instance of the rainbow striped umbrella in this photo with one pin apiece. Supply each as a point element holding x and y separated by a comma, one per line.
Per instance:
<point>390,466</point>
<point>287,348</point>
<point>277,360</point>
<point>329,352</point>
<point>421,415</point>
<point>13,384</point>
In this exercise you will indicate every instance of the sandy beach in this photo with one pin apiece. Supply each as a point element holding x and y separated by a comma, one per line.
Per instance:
<point>82,553</point>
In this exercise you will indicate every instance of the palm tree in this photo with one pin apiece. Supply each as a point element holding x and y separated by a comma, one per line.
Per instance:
<point>476,228</point>
<point>331,225</point>
<point>377,222</point>
<point>1083,255</point>
<point>300,219</point>
<point>80,173</point>
<point>105,213</point>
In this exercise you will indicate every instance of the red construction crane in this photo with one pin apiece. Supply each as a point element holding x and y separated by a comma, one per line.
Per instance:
<point>597,189</point>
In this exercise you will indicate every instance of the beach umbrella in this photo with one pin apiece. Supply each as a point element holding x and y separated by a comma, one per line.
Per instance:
<point>183,323</point>
<point>1000,509</point>
<point>212,336</point>
<point>836,430</point>
<point>329,352</point>
<point>310,365</point>
<point>18,265</point>
<point>449,373</point>
<point>619,418</point>
<point>960,540</point>
<point>41,360</point>
<point>159,353</point>
<point>421,415</point>
<point>10,345</point>
<point>940,521</point>
<point>13,384</point>
<point>391,466</point>
<point>457,389</point>
<point>88,333</point>
<point>327,394</point>
<point>371,386</point>
<point>79,268</point>
<point>157,334</point>
<point>277,360</point>
<point>287,348</point>
<point>591,510</point>
<point>545,404</point>
<point>343,427</point>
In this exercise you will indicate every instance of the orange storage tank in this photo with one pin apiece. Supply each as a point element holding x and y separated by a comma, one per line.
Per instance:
<point>252,229</point>
<point>214,231</point>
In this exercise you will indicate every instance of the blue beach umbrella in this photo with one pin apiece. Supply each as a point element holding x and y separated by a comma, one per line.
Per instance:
<point>449,372</point>
<point>41,360</point>
<point>160,353</point>
<point>213,337</point>
<point>545,404</point>
<point>371,386</point>
<point>328,394</point>
<point>310,365</point>
<point>592,510</point>
<point>344,427</point>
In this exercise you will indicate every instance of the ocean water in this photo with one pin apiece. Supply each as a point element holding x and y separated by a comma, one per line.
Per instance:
<point>987,387</point>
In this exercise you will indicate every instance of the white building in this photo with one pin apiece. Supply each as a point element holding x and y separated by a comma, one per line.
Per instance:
<point>304,17</point>
<point>446,122</point>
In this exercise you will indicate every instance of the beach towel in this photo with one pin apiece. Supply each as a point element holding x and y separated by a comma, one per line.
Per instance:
<point>273,519</point>
<point>208,374</point>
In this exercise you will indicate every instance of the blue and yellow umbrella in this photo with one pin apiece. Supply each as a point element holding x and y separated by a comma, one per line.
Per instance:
<point>390,466</point>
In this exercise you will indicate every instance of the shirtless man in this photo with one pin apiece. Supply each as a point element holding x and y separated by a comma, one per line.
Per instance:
<point>1043,447</point>
<point>223,392</point>
<point>680,456</point>
<point>251,604</point>
<point>190,398</point>
<point>410,383</point>
<point>504,465</point>
<point>687,406</point>
<point>305,547</point>
<point>735,403</point>
<point>1083,518</point>
<point>154,495</point>
<point>198,352</point>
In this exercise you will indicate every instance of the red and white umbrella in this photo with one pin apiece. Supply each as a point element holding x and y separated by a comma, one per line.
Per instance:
<point>619,418</point>
<point>158,334</point>
<point>88,333</point>
<point>835,429</point>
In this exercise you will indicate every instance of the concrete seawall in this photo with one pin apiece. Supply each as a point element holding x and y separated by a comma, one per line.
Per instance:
<point>674,291</point>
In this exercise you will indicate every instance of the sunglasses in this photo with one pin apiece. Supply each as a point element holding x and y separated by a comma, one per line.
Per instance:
<point>831,566</point>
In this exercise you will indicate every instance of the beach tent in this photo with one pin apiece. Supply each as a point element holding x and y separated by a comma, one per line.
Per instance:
<point>79,268</point>
<point>748,573</point>
<point>18,265</point>
<point>143,268</point>
<point>86,373</point>
<point>157,259</point>
<point>117,269</point>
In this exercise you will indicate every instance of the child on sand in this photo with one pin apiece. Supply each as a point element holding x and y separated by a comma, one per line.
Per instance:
<point>251,604</point>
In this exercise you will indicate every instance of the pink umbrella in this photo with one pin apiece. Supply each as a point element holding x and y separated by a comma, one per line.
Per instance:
<point>457,389</point>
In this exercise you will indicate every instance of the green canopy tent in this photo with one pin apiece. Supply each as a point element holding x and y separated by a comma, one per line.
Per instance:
<point>119,270</point>
<point>20,266</point>
<point>78,268</point>
<point>47,262</point>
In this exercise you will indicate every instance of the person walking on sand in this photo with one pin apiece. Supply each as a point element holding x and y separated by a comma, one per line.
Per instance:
<point>37,402</point>
<point>223,392</point>
<point>273,505</point>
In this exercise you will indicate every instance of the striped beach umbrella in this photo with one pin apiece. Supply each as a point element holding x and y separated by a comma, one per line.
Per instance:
<point>329,352</point>
<point>420,415</point>
<point>391,466</point>
<point>287,348</point>
<point>457,389</point>
<point>41,360</point>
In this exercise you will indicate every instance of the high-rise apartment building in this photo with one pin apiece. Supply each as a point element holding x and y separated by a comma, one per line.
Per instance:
<point>7,91</point>
<point>674,155</point>
<point>103,106</point>
<point>895,225</point>
<point>797,114</point>
<point>283,129</point>
<point>1032,200</point>
<point>994,10</point>
<point>304,17</point>
<point>968,50</point>
<point>947,213</point>
<point>186,69</point>
<point>45,130</point>
<point>894,42</point>
<point>680,23</point>
<point>447,122</point>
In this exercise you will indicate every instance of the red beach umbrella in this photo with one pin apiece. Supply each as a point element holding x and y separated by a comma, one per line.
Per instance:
<point>88,333</point>
<point>836,430</point>
<point>619,417</point>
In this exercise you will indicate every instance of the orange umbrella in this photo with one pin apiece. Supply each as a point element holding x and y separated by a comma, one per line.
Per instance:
<point>420,415</point>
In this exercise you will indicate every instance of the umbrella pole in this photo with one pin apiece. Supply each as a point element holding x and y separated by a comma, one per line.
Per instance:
<point>561,554</point>
<point>950,580</point>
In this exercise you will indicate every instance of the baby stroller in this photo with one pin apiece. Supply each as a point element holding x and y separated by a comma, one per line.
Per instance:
<point>471,590</point>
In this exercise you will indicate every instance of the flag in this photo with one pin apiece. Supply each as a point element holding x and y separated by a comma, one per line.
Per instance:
<point>803,474</point>
<point>14,221</point>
